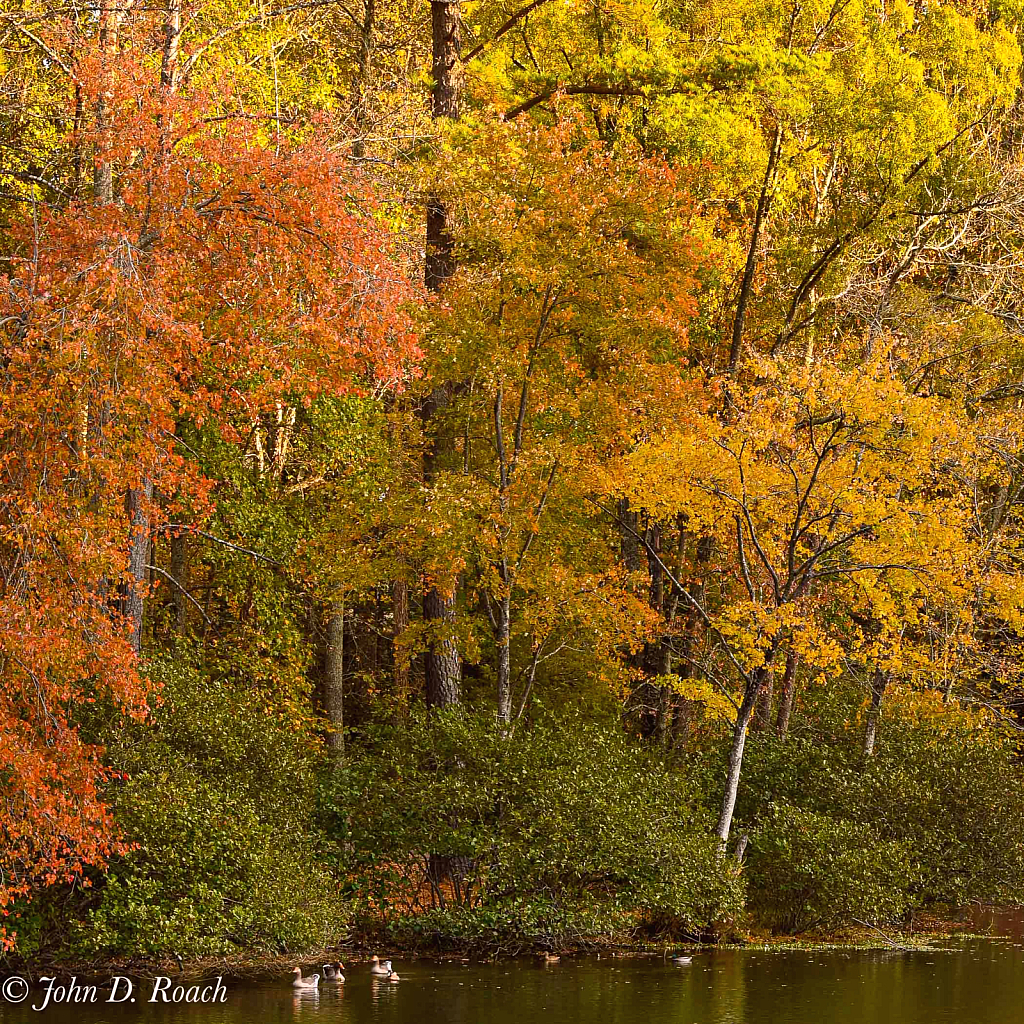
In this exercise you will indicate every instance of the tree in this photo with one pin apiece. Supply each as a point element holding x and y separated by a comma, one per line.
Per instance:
<point>568,314</point>
<point>225,275</point>
<point>831,500</point>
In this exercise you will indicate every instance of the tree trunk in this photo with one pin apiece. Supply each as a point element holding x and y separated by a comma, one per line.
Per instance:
<point>131,601</point>
<point>503,636</point>
<point>172,46</point>
<point>660,664</point>
<point>443,666</point>
<point>630,547</point>
<point>179,572</point>
<point>746,285</point>
<point>787,694</point>
<point>752,691</point>
<point>102,174</point>
<point>763,709</point>
<point>446,32</point>
<point>361,87</point>
<point>334,677</point>
<point>879,681</point>
<point>138,499</point>
<point>446,102</point>
<point>665,714</point>
<point>400,615</point>
<point>78,158</point>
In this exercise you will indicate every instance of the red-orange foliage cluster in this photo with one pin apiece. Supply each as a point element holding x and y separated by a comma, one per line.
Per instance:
<point>206,270</point>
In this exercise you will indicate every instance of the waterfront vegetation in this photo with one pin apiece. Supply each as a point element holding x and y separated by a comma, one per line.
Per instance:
<point>507,475</point>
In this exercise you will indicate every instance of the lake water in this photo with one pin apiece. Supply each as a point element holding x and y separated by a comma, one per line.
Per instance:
<point>979,982</point>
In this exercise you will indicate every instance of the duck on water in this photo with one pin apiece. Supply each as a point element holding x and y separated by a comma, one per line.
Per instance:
<point>298,981</point>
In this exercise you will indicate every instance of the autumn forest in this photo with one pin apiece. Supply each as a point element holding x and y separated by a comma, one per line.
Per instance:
<point>484,473</point>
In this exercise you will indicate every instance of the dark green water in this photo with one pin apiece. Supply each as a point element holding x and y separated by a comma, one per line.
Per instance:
<point>978,983</point>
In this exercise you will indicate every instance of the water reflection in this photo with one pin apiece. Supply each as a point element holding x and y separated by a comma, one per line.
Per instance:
<point>977,983</point>
<point>998,921</point>
<point>381,988</point>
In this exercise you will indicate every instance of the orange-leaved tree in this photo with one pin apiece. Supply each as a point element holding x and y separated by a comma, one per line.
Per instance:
<point>566,328</point>
<point>206,270</point>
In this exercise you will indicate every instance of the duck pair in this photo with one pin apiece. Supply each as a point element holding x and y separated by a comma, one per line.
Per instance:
<point>381,969</point>
<point>332,972</point>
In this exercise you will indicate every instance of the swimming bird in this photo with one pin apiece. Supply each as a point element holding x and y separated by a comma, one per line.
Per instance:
<point>333,972</point>
<point>393,975</point>
<point>378,969</point>
<point>313,981</point>
<point>551,958</point>
<point>682,959</point>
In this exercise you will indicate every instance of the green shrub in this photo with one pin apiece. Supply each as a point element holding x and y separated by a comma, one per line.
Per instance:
<point>220,805</point>
<point>808,870</point>
<point>511,924</point>
<point>955,795</point>
<point>567,814</point>
<point>945,785</point>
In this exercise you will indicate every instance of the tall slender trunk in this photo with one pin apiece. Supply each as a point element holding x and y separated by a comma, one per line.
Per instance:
<point>102,172</point>
<point>446,102</point>
<point>138,499</point>
<point>400,623</point>
<point>443,666</point>
<point>503,636</point>
<point>879,681</point>
<point>131,599</point>
<point>629,547</point>
<point>755,681</point>
<point>787,695</point>
<point>446,38</point>
<point>334,677</point>
<point>78,157</point>
<point>763,708</point>
<point>746,285</point>
<point>666,696</point>
<point>172,46</point>
<point>95,412</point>
<point>179,572</point>
<point>361,86</point>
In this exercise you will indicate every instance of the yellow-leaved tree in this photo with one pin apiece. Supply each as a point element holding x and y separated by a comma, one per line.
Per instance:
<point>838,513</point>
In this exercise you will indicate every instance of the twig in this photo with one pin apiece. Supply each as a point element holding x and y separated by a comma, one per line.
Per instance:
<point>895,945</point>
<point>224,543</point>
<point>167,576</point>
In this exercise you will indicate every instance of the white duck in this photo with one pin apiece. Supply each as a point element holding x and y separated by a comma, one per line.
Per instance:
<point>333,972</point>
<point>298,981</point>
<point>682,959</point>
<point>377,969</point>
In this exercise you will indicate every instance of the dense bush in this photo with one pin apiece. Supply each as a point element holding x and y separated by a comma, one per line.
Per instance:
<point>566,828</point>
<point>219,801</point>
<point>439,830</point>
<point>810,870</point>
<point>952,791</point>
<point>942,794</point>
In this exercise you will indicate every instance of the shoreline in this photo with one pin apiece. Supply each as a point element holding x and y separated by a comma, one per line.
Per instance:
<point>251,966</point>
